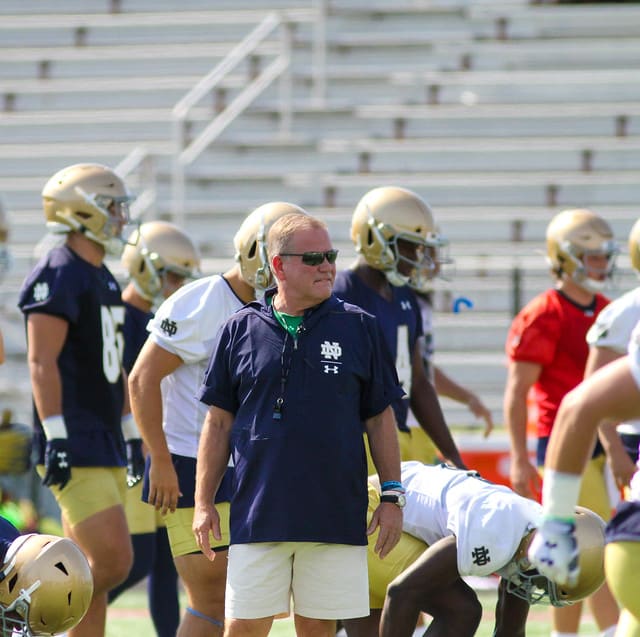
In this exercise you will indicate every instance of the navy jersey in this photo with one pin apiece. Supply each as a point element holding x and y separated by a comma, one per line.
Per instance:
<point>88,298</point>
<point>297,444</point>
<point>8,533</point>
<point>135,333</point>
<point>400,324</point>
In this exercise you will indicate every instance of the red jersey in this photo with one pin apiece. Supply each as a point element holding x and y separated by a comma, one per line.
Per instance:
<point>551,331</point>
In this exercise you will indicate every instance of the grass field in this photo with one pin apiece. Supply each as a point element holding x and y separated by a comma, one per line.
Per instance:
<point>128,616</point>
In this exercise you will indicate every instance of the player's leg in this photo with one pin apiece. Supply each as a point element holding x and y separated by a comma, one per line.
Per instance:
<point>162,588</point>
<point>142,525</point>
<point>431,584</point>
<point>93,516</point>
<point>204,581</point>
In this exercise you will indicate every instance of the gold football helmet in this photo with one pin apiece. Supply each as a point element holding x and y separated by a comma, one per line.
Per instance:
<point>91,199</point>
<point>634,246</point>
<point>573,234</point>
<point>250,242</point>
<point>46,585</point>
<point>153,250</point>
<point>387,215</point>
<point>526,582</point>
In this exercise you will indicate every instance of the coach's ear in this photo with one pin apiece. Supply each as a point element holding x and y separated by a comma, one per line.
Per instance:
<point>277,267</point>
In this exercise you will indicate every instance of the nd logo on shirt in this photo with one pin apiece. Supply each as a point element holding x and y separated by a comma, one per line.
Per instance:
<point>330,353</point>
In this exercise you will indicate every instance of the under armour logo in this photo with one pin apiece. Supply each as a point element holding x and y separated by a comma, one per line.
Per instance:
<point>63,461</point>
<point>40,291</point>
<point>480,555</point>
<point>169,327</point>
<point>113,286</point>
<point>331,369</point>
<point>405,305</point>
<point>331,350</point>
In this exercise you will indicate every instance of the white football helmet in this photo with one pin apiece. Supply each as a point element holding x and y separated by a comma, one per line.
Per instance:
<point>46,586</point>
<point>153,250</point>
<point>388,215</point>
<point>524,581</point>
<point>573,234</point>
<point>91,199</point>
<point>250,242</point>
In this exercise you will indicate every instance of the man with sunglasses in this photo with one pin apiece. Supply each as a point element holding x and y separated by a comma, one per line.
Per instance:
<point>74,316</point>
<point>391,229</point>
<point>289,384</point>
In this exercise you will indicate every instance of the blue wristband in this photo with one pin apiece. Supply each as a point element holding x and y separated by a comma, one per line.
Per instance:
<point>391,485</point>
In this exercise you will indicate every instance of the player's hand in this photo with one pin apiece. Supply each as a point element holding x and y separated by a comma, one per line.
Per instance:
<point>135,462</point>
<point>554,551</point>
<point>57,463</point>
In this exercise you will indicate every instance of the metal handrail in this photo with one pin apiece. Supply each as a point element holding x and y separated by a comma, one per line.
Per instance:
<point>186,152</point>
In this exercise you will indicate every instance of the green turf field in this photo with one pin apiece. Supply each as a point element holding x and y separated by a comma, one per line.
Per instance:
<point>128,616</point>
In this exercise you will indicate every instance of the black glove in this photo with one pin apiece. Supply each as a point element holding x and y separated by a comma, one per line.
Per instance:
<point>135,462</point>
<point>57,462</point>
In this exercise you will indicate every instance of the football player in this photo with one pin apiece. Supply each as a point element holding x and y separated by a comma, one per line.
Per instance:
<point>45,583</point>
<point>547,351</point>
<point>391,229</point>
<point>74,315</point>
<point>163,385</point>
<point>608,340</point>
<point>158,259</point>
<point>456,524</point>
<point>610,393</point>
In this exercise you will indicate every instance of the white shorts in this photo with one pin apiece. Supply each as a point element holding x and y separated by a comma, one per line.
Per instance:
<point>633,350</point>
<point>325,581</point>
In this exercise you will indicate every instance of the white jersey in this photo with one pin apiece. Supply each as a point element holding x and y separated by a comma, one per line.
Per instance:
<point>612,329</point>
<point>186,325</point>
<point>488,520</point>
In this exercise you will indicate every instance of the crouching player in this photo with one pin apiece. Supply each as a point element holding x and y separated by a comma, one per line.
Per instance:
<point>457,524</point>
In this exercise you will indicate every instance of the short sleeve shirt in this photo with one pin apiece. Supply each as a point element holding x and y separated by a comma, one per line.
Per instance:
<point>551,331</point>
<point>90,363</point>
<point>300,469</point>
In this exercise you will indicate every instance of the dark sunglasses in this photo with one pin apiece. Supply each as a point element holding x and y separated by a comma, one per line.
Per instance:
<point>313,258</point>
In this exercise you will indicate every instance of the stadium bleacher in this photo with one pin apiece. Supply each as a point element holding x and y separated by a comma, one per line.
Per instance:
<point>499,112</point>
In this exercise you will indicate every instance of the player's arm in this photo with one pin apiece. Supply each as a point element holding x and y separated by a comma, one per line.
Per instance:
<point>511,613</point>
<point>46,335</point>
<point>428,412</point>
<point>151,366</point>
<point>609,393</point>
<point>213,457</point>
<point>521,377</point>
<point>622,466</point>
<point>385,451</point>
<point>446,386</point>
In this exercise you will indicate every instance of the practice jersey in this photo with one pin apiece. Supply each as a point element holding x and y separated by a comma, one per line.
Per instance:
<point>488,520</point>
<point>612,329</point>
<point>88,298</point>
<point>186,325</point>
<point>298,405</point>
<point>551,331</point>
<point>399,321</point>
<point>135,333</point>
